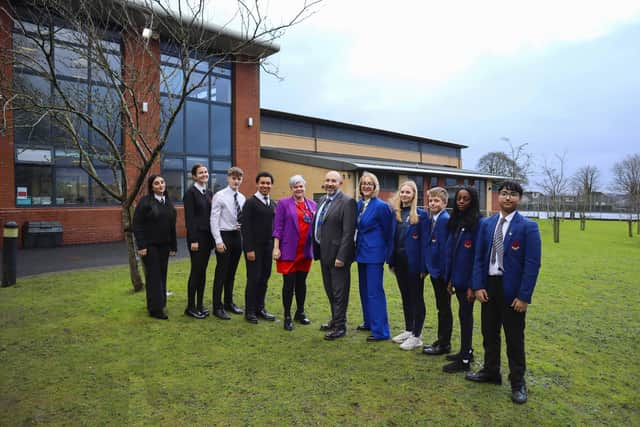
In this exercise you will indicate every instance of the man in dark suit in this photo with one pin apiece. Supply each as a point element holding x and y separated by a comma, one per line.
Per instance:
<point>505,271</point>
<point>334,226</point>
<point>256,222</point>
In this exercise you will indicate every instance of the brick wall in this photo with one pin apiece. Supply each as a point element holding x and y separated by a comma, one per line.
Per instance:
<point>246,140</point>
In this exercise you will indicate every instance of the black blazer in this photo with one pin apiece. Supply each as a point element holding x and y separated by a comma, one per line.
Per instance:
<point>154,223</point>
<point>197,213</point>
<point>337,230</point>
<point>256,223</point>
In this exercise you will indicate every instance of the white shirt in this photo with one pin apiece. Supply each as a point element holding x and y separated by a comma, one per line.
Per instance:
<point>223,212</point>
<point>261,198</point>
<point>159,198</point>
<point>200,188</point>
<point>494,269</point>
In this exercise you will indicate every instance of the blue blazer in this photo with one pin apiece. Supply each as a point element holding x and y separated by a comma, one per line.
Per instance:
<point>412,243</point>
<point>433,244</point>
<point>373,242</point>
<point>521,262</point>
<point>459,255</point>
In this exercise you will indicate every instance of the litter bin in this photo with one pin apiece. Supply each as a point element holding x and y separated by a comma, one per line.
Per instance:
<point>41,234</point>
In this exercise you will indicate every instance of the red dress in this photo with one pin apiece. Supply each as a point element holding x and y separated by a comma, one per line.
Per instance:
<point>300,263</point>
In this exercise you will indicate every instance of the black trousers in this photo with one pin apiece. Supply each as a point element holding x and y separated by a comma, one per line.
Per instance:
<point>198,273</point>
<point>411,287</point>
<point>226,266</point>
<point>497,313</point>
<point>258,273</point>
<point>337,282</point>
<point>294,283</point>
<point>155,272</point>
<point>443,305</point>
<point>465,315</point>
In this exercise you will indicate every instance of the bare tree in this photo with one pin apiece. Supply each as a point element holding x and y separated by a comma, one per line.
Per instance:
<point>515,164</point>
<point>585,183</point>
<point>106,122</point>
<point>555,185</point>
<point>626,178</point>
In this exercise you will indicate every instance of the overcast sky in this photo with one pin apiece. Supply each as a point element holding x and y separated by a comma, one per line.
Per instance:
<point>557,75</point>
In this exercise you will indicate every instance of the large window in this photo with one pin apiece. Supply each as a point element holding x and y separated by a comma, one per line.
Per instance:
<point>47,158</point>
<point>201,131</point>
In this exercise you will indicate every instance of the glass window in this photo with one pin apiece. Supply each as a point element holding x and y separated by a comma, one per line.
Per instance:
<point>174,139</point>
<point>218,180</point>
<point>102,66</point>
<point>198,86</point>
<point>171,79</point>
<point>29,55</point>
<point>175,184</point>
<point>105,111</point>
<point>388,181</point>
<point>67,157</point>
<point>193,160</point>
<point>70,36</point>
<point>172,163</point>
<point>100,196</point>
<point>197,136</point>
<point>217,164</point>
<point>221,130</point>
<point>419,180</point>
<point>32,155</point>
<point>220,89</point>
<point>72,186</point>
<point>433,182</point>
<point>71,61</point>
<point>450,182</point>
<point>37,181</point>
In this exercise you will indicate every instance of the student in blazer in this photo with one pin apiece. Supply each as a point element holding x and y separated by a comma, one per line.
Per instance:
<point>506,266</point>
<point>373,242</point>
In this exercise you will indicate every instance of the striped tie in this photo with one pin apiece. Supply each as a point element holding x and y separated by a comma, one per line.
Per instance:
<point>497,250</point>
<point>235,201</point>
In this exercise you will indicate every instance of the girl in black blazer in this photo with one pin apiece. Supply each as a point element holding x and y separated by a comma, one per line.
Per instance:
<point>154,226</point>
<point>197,210</point>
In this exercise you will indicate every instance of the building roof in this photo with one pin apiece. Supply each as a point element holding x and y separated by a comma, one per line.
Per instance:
<point>356,163</point>
<point>315,120</point>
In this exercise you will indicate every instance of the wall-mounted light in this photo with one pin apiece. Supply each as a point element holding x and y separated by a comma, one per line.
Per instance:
<point>145,107</point>
<point>250,122</point>
<point>147,33</point>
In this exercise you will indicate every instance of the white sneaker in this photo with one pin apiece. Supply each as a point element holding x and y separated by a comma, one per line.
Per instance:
<point>402,337</point>
<point>411,343</point>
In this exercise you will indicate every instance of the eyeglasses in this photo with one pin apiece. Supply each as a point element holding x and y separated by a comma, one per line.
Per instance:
<point>367,184</point>
<point>509,194</point>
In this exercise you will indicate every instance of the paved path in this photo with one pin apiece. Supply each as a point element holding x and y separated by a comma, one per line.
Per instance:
<point>73,257</point>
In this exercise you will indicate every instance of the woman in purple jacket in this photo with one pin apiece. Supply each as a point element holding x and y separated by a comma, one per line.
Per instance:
<point>293,248</point>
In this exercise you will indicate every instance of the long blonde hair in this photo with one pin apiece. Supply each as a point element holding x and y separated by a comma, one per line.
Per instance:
<point>397,205</point>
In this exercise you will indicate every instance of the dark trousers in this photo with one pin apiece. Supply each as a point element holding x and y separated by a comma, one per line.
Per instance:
<point>465,315</point>
<point>337,282</point>
<point>258,273</point>
<point>226,266</point>
<point>443,305</point>
<point>155,272</point>
<point>411,287</point>
<point>198,273</point>
<point>497,313</point>
<point>294,283</point>
<point>373,299</point>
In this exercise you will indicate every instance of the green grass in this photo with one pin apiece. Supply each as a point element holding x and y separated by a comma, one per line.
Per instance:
<point>77,348</point>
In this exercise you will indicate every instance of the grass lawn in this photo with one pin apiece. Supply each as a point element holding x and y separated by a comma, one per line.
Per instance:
<point>77,348</point>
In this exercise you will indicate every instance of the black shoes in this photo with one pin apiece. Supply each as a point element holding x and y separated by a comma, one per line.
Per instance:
<point>302,318</point>
<point>483,376</point>
<point>191,312</point>
<point>519,394</point>
<point>252,318</point>
<point>460,365</point>
<point>288,324</point>
<point>458,356</point>
<point>203,310</point>
<point>266,315</point>
<point>363,327</point>
<point>221,314</point>
<point>326,327</point>
<point>158,315</point>
<point>233,308</point>
<point>335,334</point>
<point>436,349</point>
<point>372,338</point>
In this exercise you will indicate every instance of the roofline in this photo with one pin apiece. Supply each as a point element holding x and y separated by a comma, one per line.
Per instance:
<point>285,115</point>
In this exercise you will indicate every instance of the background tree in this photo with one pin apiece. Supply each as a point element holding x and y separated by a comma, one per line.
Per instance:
<point>585,183</point>
<point>515,164</point>
<point>626,179</point>
<point>98,116</point>
<point>555,185</point>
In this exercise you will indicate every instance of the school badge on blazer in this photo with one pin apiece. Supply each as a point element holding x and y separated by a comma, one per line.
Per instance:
<point>515,245</point>
<point>415,236</point>
<point>467,244</point>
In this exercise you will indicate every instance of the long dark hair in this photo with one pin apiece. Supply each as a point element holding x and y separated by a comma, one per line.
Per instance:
<point>468,218</point>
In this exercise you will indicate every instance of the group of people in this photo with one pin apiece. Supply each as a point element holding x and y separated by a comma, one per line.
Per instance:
<point>494,260</point>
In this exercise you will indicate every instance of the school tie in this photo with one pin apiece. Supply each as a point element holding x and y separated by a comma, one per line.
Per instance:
<point>162,201</point>
<point>266,201</point>
<point>497,250</point>
<point>320,220</point>
<point>235,202</point>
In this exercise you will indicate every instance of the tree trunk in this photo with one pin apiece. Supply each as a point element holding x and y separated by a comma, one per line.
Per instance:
<point>583,221</point>
<point>134,270</point>
<point>556,229</point>
<point>630,223</point>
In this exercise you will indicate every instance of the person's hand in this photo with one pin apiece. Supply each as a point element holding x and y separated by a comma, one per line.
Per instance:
<point>450,288</point>
<point>142,252</point>
<point>251,256</point>
<point>470,295</point>
<point>339,263</point>
<point>276,253</point>
<point>519,305</point>
<point>220,248</point>
<point>423,275</point>
<point>195,246</point>
<point>482,295</point>
<point>172,253</point>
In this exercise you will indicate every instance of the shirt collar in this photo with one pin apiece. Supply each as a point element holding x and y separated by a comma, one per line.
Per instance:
<point>260,196</point>
<point>158,198</point>
<point>509,217</point>
<point>199,187</point>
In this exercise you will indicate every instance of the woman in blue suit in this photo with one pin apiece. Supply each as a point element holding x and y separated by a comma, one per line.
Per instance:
<point>460,247</point>
<point>405,261</point>
<point>373,237</point>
